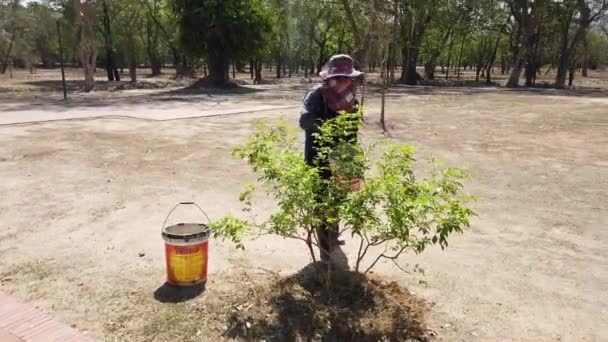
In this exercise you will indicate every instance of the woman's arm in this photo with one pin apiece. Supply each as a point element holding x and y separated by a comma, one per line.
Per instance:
<point>311,110</point>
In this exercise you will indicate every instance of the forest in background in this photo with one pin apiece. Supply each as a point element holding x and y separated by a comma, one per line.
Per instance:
<point>406,40</point>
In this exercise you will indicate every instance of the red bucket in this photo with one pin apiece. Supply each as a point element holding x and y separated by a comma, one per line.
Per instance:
<point>186,250</point>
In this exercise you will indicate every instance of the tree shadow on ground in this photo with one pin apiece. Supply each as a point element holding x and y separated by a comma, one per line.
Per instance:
<point>350,307</point>
<point>539,90</point>
<point>103,98</point>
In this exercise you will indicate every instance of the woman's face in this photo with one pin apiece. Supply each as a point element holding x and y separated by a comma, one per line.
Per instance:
<point>340,84</point>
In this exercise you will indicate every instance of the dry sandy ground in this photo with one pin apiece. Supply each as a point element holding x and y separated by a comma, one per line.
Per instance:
<point>83,198</point>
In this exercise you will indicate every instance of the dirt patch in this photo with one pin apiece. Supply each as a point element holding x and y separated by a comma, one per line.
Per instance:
<point>264,306</point>
<point>302,307</point>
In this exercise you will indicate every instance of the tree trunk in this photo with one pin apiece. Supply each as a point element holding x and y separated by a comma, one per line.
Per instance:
<point>515,74</point>
<point>258,73</point>
<point>152,42</point>
<point>321,56</point>
<point>429,67</point>
<point>251,68</point>
<point>85,14</point>
<point>155,64</point>
<point>5,61</point>
<point>460,58</point>
<point>429,70</point>
<point>218,69</point>
<point>360,47</point>
<point>132,57</point>
<point>107,34</point>
<point>411,76</point>
<point>585,66</point>
<point>571,73</point>
<point>530,20</point>
<point>447,72</point>
<point>562,69</point>
<point>88,56</point>
<point>568,49</point>
<point>490,64</point>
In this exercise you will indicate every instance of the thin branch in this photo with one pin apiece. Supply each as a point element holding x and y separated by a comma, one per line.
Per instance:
<point>359,254</point>
<point>309,244</point>
<point>384,256</point>
<point>401,267</point>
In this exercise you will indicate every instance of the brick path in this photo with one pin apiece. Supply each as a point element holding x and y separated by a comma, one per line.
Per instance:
<point>21,322</point>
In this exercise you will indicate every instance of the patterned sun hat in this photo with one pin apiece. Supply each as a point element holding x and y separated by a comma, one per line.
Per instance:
<point>339,66</point>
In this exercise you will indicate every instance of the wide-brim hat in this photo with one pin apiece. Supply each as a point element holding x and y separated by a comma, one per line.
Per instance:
<point>339,66</point>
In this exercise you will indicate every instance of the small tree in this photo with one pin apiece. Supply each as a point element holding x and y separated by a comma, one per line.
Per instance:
<point>393,209</point>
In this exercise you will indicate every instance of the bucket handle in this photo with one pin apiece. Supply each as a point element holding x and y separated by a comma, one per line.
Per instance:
<point>185,203</point>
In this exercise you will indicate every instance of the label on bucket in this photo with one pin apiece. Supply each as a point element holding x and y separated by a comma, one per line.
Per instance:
<point>186,264</point>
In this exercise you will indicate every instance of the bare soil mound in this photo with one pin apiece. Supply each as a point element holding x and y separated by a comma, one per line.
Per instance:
<point>303,307</point>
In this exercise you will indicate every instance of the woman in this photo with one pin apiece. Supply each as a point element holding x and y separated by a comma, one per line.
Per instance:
<point>336,93</point>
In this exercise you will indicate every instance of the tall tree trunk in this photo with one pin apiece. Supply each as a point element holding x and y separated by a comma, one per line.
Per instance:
<point>151,48</point>
<point>567,52</point>
<point>85,19</point>
<point>562,69</point>
<point>258,73</point>
<point>429,67</point>
<point>107,33</point>
<point>531,20</point>
<point>515,74</point>
<point>429,70</point>
<point>5,60</point>
<point>571,73</point>
<point>447,72</point>
<point>411,76</point>
<point>360,52</point>
<point>155,64</point>
<point>490,64</point>
<point>403,62</point>
<point>218,69</point>
<point>460,58</point>
<point>132,57</point>
<point>585,58</point>
<point>180,68</point>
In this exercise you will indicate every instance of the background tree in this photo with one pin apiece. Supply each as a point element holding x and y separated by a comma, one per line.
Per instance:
<point>298,36</point>
<point>85,16</point>
<point>221,30</point>
<point>414,18</point>
<point>575,16</point>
